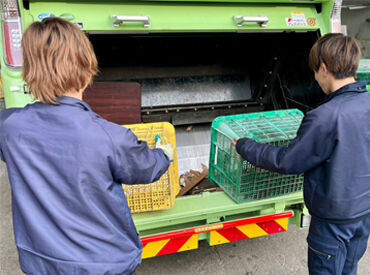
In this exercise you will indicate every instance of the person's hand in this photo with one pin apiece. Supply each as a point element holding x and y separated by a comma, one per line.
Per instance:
<point>167,148</point>
<point>234,141</point>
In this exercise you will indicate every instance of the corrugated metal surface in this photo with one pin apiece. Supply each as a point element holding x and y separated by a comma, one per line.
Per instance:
<point>194,90</point>
<point>193,147</point>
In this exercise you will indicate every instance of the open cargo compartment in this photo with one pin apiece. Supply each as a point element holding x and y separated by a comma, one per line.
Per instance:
<point>188,79</point>
<point>188,62</point>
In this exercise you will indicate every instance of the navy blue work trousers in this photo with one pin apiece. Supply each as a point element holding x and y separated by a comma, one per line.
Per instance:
<point>335,248</point>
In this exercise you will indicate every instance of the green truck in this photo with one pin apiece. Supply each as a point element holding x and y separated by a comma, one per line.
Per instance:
<point>193,61</point>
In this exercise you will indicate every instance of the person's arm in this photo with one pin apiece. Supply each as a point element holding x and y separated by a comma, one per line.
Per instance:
<point>134,162</point>
<point>3,116</point>
<point>314,144</point>
<point>1,135</point>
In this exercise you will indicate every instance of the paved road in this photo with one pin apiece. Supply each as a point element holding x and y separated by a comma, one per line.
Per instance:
<point>279,254</point>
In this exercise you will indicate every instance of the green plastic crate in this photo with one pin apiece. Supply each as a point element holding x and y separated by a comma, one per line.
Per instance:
<point>238,178</point>
<point>363,72</point>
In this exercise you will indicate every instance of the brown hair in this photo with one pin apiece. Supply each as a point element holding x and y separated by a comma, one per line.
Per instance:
<point>57,58</point>
<point>341,54</point>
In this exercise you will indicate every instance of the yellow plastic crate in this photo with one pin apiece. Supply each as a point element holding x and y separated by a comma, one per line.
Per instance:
<point>162,193</point>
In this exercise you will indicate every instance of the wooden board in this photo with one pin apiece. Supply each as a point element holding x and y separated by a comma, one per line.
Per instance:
<point>118,102</point>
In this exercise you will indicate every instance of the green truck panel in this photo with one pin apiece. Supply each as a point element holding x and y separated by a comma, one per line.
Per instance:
<point>170,17</point>
<point>178,17</point>
<point>208,208</point>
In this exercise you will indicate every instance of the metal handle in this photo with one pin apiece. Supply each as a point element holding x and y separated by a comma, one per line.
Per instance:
<point>261,20</point>
<point>120,19</point>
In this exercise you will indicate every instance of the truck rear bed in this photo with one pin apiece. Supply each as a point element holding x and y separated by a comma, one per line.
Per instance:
<point>216,218</point>
<point>195,61</point>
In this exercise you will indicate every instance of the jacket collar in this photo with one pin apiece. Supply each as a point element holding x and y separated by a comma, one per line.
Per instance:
<point>356,87</point>
<point>67,100</point>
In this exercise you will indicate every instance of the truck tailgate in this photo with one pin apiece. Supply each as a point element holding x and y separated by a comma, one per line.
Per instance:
<point>208,208</point>
<point>182,16</point>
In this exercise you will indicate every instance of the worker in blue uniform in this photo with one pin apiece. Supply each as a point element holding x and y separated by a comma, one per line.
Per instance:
<point>332,149</point>
<point>66,164</point>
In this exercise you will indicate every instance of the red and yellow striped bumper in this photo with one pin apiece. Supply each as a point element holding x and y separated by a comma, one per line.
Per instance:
<point>219,233</point>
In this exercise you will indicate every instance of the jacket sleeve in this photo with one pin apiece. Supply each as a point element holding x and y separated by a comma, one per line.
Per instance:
<point>313,144</point>
<point>133,161</point>
<point>3,116</point>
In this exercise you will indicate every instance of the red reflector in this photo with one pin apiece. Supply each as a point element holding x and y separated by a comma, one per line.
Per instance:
<point>12,43</point>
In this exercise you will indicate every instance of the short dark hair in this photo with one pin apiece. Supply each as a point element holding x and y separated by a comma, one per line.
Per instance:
<point>341,54</point>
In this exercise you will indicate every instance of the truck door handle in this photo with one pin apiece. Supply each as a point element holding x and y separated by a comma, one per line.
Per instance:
<point>261,20</point>
<point>118,20</point>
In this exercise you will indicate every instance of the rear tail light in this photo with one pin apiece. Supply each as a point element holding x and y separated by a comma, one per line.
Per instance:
<point>12,33</point>
<point>335,21</point>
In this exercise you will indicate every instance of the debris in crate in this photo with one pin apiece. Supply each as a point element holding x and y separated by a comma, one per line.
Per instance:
<point>204,186</point>
<point>182,181</point>
<point>191,179</point>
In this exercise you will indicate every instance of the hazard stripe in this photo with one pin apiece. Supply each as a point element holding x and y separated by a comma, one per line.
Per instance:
<point>232,231</point>
<point>248,231</point>
<point>216,238</point>
<point>151,249</point>
<point>232,234</point>
<point>252,230</point>
<point>192,243</point>
<point>271,227</point>
<point>283,223</point>
<point>173,245</point>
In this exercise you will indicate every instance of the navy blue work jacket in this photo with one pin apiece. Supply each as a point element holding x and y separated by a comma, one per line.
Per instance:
<point>65,166</point>
<point>332,148</point>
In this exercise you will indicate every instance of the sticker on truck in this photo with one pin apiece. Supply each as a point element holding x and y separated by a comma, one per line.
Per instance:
<point>44,15</point>
<point>296,19</point>
<point>311,21</point>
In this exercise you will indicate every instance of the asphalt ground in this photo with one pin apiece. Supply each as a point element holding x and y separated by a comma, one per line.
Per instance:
<point>277,254</point>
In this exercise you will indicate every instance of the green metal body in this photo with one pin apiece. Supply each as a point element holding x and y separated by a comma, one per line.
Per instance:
<point>166,16</point>
<point>180,17</point>
<point>208,208</point>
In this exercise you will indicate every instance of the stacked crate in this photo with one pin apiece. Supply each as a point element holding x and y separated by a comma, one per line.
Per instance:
<point>238,178</point>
